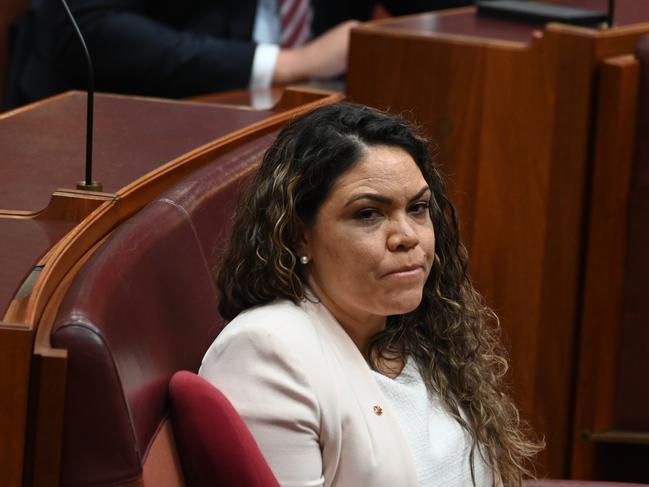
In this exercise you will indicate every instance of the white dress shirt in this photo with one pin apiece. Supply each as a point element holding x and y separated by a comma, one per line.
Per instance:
<point>265,33</point>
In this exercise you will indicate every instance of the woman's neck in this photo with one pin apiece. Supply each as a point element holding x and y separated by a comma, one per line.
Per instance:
<point>360,326</point>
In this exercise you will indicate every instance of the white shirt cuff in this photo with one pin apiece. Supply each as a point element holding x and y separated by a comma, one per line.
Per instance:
<point>263,66</point>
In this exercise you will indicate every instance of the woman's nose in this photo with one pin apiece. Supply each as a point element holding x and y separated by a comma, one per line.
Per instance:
<point>402,235</point>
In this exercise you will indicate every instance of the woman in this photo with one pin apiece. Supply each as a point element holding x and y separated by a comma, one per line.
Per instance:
<point>357,350</point>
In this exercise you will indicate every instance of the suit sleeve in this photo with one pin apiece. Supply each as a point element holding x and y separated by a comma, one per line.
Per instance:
<point>136,54</point>
<point>265,382</point>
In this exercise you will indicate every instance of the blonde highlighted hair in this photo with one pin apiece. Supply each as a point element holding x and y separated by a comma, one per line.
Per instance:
<point>452,335</point>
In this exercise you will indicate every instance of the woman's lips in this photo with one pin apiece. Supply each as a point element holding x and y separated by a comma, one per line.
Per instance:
<point>406,272</point>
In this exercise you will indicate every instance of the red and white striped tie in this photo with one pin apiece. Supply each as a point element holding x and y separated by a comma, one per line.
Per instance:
<point>295,24</point>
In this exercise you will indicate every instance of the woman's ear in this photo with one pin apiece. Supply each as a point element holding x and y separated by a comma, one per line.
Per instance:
<point>301,243</point>
<point>303,247</point>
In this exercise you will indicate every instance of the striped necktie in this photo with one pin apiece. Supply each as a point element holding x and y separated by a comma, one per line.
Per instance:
<point>295,22</point>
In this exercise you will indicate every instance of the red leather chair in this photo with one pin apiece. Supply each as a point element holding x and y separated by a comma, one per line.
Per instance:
<point>215,445</point>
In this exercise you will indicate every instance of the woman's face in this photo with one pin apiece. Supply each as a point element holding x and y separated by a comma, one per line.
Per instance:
<point>372,243</point>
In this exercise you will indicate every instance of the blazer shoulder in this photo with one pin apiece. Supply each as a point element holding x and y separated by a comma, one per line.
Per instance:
<point>281,322</point>
<point>278,339</point>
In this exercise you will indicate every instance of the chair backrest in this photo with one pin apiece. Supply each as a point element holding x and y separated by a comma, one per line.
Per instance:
<point>215,445</point>
<point>143,307</point>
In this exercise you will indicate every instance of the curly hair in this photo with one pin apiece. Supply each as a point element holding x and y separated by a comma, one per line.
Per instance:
<point>452,335</point>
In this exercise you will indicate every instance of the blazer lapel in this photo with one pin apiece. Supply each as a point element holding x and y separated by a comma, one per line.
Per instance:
<point>387,439</point>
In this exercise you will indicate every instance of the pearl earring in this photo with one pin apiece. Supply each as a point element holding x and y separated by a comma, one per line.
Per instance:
<point>304,259</point>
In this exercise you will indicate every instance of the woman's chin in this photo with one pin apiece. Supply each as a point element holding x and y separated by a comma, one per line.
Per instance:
<point>402,303</point>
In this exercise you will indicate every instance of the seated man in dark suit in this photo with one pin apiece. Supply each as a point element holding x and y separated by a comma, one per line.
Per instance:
<point>179,49</point>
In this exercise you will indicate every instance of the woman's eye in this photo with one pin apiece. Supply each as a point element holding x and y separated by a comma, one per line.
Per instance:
<point>368,214</point>
<point>420,208</point>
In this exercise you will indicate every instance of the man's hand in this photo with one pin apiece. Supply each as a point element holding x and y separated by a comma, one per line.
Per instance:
<point>322,58</point>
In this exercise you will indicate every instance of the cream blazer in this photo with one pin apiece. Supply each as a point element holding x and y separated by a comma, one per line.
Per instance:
<point>308,396</point>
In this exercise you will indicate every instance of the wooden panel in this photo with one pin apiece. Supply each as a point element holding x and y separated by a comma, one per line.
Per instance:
<point>605,257</point>
<point>47,401</point>
<point>631,409</point>
<point>15,356</point>
<point>527,220</point>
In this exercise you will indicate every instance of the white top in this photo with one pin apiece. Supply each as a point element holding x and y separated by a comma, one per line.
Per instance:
<point>440,446</point>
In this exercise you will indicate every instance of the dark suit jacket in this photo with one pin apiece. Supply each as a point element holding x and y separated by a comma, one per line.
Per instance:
<point>161,47</point>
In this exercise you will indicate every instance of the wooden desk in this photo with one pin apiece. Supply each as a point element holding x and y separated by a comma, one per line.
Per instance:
<point>512,107</point>
<point>143,147</point>
<point>169,129</point>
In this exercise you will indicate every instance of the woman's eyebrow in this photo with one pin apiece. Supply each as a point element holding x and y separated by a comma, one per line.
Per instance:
<point>383,199</point>
<point>421,193</point>
<point>369,196</point>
